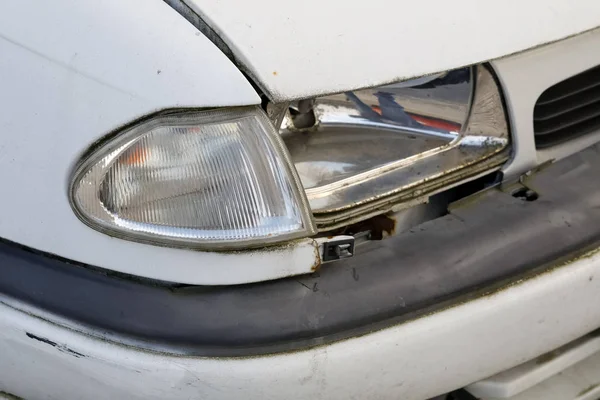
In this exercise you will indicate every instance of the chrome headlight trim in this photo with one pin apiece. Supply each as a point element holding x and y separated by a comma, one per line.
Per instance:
<point>477,144</point>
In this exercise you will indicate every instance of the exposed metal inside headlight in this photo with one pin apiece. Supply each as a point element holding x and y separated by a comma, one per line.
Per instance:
<point>374,148</point>
<point>212,179</point>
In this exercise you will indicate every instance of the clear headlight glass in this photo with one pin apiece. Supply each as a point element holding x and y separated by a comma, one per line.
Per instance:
<point>216,179</point>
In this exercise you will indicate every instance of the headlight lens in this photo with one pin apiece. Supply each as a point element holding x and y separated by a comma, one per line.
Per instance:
<point>221,179</point>
<point>376,147</point>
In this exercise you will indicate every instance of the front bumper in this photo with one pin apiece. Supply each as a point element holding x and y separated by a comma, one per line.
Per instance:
<point>496,282</point>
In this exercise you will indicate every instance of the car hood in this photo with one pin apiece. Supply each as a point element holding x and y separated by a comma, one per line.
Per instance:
<point>301,49</point>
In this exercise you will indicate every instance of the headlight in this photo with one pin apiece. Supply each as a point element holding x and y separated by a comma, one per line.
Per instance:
<point>373,148</point>
<point>228,179</point>
<point>218,179</point>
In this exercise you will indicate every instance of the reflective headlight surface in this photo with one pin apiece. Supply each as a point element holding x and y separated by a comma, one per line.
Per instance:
<point>375,147</point>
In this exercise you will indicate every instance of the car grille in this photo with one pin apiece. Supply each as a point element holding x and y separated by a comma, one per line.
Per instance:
<point>569,109</point>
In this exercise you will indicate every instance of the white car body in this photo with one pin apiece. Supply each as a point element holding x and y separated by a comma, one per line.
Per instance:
<point>71,72</point>
<point>326,47</point>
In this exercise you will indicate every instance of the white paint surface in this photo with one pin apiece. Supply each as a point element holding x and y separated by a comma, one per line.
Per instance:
<point>71,72</point>
<point>411,361</point>
<point>579,382</point>
<point>312,47</point>
<point>524,77</point>
<point>517,381</point>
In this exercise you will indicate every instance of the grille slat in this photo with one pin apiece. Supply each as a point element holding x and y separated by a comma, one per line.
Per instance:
<point>549,126</point>
<point>568,104</point>
<point>568,109</point>
<point>576,84</point>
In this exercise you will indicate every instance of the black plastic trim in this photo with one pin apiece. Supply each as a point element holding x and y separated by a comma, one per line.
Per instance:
<point>487,240</point>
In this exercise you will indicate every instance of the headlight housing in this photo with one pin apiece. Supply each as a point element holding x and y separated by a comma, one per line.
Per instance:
<point>228,179</point>
<point>371,149</point>
<point>208,179</point>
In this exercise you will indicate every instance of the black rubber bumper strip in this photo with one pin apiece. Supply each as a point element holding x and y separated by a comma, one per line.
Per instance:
<point>489,238</point>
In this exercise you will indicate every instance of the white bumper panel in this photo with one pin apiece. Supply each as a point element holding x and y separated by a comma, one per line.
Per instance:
<point>578,382</point>
<point>415,360</point>
<point>540,375</point>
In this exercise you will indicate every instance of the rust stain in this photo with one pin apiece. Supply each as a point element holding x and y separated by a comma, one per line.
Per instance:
<point>316,265</point>
<point>274,73</point>
<point>317,258</point>
<point>377,226</point>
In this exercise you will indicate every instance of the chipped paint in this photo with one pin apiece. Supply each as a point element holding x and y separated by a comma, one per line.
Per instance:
<point>9,396</point>
<point>59,347</point>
